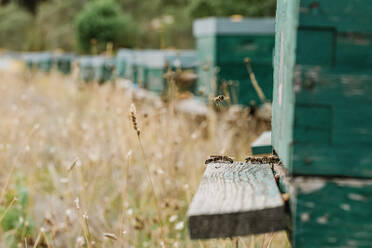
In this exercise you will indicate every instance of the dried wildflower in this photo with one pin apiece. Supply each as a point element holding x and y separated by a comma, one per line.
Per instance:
<point>129,154</point>
<point>173,218</point>
<point>179,225</point>
<point>110,236</point>
<point>76,201</point>
<point>80,241</point>
<point>76,163</point>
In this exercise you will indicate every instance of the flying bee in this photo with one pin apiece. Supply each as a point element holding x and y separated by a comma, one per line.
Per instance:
<point>219,159</point>
<point>220,98</point>
<point>270,159</point>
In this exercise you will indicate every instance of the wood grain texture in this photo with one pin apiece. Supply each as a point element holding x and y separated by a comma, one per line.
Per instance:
<point>331,212</point>
<point>234,200</point>
<point>262,145</point>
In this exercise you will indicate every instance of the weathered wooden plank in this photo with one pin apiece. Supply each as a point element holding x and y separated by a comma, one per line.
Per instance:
<point>236,199</point>
<point>262,145</point>
<point>331,212</point>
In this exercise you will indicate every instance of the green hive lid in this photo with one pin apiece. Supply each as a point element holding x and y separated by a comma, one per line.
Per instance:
<point>213,25</point>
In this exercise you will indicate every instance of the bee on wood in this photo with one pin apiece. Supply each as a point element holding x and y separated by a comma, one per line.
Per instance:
<point>219,159</point>
<point>270,159</point>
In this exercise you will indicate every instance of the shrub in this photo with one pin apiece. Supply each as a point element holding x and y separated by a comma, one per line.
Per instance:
<point>104,22</point>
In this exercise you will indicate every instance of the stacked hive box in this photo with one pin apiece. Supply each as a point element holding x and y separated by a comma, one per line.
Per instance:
<point>322,122</point>
<point>96,68</point>
<point>123,59</point>
<point>153,64</point>
<point>184,64</point>
<point>86,68</point>
<point>64,62</point>
<point>40,61</point>
<point>223,44</point>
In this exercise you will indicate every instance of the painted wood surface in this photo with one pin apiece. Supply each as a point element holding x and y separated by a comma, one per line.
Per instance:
<point>331,212</point>
<point>236,199</point>
<point>322,123</point>
<point>262,145</point>
<point>284,61</point>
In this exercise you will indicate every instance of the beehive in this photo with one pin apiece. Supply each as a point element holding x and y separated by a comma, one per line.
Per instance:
<point>153,64</point>
<point>123,59</point>
<point>322,125</point>
<point>223,44</point>
<point>103,68</point>
<point>183,62</point>
<point>64,62</point>
<point>86,68</point>
<point>44,61</point>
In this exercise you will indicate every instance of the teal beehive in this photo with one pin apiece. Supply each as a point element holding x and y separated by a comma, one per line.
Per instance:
<point>322,123</point>
<point>44,61</point>
<point>222,46</point>
<point>321,118</point>
<point>64,62</point>
<point>86,71</point>
<point>123,60</point>
<point>103,68</point>
<point>153,64</point>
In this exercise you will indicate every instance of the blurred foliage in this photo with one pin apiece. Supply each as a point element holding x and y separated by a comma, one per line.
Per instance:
<point>15,221</point>
<point>54,24</point>
<point>133,23</point>
<point>103,22</point>
<point>201,8</point>
<point>14,23</point>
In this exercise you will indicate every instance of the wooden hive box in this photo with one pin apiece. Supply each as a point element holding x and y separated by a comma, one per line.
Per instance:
<point>323,87</point>
<point>183,62</point>
<point>322,123</point>
<point>153,64</point>
<point>103,68</point>
<point>64,62</point>
<point>223,44</point>
<point>86,72</point>
<point>30,60</point>
<point>44,61</point>
<point>123,58</point>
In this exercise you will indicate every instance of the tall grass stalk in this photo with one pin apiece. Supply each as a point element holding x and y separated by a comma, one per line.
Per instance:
<point>133,115</point>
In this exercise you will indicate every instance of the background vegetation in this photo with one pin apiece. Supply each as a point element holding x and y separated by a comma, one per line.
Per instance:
<point>51,24</point>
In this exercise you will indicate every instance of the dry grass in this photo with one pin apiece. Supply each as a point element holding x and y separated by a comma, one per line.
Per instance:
<point>74,152</point>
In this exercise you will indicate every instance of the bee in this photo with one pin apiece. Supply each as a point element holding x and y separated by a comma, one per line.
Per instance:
<point>220,98</point>
<point>271,159</point>
<point>219,159</point>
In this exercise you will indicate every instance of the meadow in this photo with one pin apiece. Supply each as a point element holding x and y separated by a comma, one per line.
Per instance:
<point>76,172</point>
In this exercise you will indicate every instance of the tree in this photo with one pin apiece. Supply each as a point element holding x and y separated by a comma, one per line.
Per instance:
<point>103,21</point>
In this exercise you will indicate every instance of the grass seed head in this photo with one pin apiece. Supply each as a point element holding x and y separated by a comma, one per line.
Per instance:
<point>133,116</point>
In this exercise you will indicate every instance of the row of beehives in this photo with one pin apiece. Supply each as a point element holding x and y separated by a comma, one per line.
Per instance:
<point>217,66</point>
<point>143,67</point>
